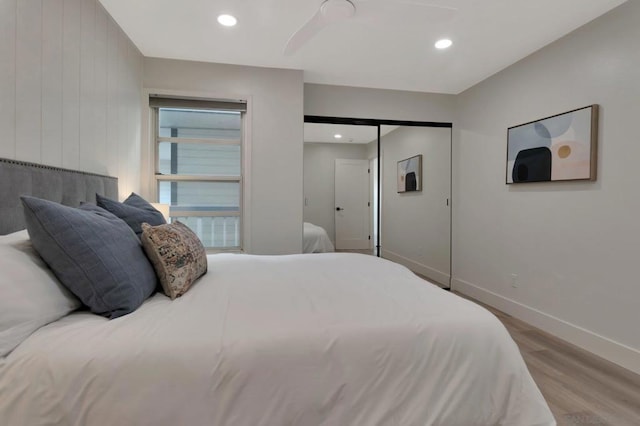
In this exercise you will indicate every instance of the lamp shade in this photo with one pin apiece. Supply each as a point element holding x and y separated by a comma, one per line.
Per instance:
<point>164,209</point>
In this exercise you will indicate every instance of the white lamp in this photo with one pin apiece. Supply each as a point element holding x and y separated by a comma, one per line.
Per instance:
<point>164,209</point>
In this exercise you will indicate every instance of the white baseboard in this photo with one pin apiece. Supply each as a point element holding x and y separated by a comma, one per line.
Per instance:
<point>608,349</point>
<point>435,275</point>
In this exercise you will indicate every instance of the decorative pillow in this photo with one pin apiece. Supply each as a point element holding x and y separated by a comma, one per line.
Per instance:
<point>134,210</point>
<point>177,254</point>
<point>30,295</point>
<point>93,253</point>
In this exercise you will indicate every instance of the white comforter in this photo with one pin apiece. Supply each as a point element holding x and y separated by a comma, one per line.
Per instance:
<point>331,339</point>
<point>315,239</point>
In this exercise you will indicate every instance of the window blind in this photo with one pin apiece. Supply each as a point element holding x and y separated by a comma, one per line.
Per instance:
<point>195,103</point>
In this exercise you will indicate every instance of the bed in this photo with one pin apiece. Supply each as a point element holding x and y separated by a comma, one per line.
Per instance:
<point>330,339</point>
<point>315,239</point>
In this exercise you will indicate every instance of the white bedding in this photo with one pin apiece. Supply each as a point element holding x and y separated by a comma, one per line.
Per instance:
<point>315,239</point>
<point>331,339</point>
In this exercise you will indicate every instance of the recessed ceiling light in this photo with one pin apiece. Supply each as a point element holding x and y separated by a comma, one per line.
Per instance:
<point>337,136</point>
<point>443,43</point>
<point>227,20</point>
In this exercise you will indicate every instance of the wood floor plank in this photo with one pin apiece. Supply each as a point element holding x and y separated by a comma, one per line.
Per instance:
<point>603,368</point>
<point>525,342</point>
<point>570,394</point>
<point>607,394</point>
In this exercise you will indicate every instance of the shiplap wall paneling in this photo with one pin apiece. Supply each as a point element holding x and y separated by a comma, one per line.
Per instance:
<point>137,63</point>
<point>52,45</point>
<point>70,87</point>
<point>87,154</point>
<point>113,134</point>
<point>28,80</point>
<point>8,77</point>
<point>71,32</point>
<point>100,78</point>
<point>123,164</point>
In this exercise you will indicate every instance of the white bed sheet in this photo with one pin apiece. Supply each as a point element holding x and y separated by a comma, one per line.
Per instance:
<point>331,339</point>
<point>315,239</point>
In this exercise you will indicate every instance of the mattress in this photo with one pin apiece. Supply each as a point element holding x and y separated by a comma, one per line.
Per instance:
<point>329,339</point>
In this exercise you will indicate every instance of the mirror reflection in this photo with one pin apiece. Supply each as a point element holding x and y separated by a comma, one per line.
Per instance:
<point>416,191</point>
<point>340,191</point>
<point>342,205</point>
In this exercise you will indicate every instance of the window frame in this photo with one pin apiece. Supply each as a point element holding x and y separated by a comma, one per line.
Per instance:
<point>156,177</point>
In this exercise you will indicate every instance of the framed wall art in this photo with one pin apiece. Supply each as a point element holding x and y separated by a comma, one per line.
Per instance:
<point>557,148</point>
<point>410,174</point>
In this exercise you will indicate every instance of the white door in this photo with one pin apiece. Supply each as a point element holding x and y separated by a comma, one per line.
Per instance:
<point>352,204</point>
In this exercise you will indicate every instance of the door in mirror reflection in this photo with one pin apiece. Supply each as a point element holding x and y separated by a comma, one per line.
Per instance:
<point>338,183</point>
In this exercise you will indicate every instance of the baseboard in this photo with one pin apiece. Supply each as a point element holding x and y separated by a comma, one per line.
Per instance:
<point>601,346</point>
<point>435,275</point>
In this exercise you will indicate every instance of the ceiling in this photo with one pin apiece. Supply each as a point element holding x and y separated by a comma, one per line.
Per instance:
<point>387,44</point>
<point>321,132</point>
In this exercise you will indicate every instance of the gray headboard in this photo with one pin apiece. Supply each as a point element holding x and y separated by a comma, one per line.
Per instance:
<point>68,187</point>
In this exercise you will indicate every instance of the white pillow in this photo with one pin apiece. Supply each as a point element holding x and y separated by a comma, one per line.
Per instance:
<point>30,295</point>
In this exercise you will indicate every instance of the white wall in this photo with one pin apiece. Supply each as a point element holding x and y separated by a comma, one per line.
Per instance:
<point>319,173</point>
<point>356,102</point>
<point>275,132</point>
<point>70,84</point>
<point>416,225</point>
<point>574,246</point>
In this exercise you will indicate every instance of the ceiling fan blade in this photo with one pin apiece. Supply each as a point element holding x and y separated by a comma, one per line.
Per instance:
<point>305,33</point>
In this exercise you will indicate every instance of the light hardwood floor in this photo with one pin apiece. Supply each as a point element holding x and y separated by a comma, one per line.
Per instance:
<point>580,388</point>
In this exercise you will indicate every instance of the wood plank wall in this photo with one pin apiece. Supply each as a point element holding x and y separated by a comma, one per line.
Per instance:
<point>70,88</point>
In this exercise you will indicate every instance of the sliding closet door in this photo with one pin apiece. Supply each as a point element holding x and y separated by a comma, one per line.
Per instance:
<point>416,215</point>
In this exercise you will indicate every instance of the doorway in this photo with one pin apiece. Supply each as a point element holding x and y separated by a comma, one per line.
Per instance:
<point>353,204</point>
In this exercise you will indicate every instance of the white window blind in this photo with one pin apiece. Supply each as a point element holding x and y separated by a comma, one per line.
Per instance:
<point>198,148</point>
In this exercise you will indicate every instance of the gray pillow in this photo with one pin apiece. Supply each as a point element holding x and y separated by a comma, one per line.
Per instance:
<point>135,210</point>
<point>93,253</point>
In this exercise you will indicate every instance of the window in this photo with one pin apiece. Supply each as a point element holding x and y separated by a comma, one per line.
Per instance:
<point>198,152</point>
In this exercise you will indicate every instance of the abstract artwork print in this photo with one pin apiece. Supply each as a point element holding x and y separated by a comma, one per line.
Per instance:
<point>561,147</point>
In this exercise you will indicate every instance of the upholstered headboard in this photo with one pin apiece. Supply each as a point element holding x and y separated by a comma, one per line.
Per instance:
<point>68,187</point>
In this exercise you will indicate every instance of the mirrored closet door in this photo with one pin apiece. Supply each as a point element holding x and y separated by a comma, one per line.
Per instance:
<point>380,187</point>
<point>416,199</point>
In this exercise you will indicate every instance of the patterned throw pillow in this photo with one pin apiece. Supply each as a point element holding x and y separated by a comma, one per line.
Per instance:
<point>177,254</point>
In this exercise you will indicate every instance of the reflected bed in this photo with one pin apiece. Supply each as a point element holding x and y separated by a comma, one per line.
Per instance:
<point>315,239</point>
